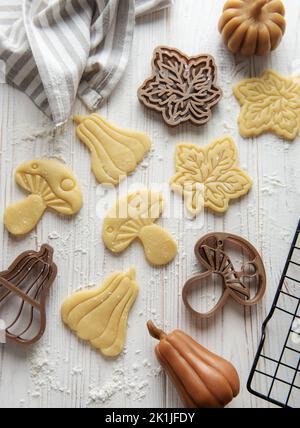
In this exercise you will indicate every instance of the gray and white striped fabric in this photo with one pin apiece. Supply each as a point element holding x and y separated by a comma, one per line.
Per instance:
<point>54,50</point>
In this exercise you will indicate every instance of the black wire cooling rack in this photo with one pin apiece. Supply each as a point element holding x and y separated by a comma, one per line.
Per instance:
<point>275,375</point>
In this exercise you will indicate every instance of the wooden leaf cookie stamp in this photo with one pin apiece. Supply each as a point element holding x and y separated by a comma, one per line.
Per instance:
<point>115,152</point>
<point>23,291</point>
<point>181,88</point>
<point>100,316</point>
<point>132,218</point>
<point>209,177</point>
<point>212,252</point>
<point>270,103</point>
<point>51,185</point>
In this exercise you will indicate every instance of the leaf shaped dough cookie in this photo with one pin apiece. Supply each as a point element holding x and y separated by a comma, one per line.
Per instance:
<point>100,316</point>
<point>270,103</point>
<point>209,177</point>
<point>133,218</point>
<point>115,152</point>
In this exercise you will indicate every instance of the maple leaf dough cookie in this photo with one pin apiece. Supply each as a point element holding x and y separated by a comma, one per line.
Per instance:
<point>51,185</point>
<point>132,218</point>
<point>209,177</point>
<point>116,152</point>
<point>181,88</point>
<point>270,103</point>
<point>100,316</point>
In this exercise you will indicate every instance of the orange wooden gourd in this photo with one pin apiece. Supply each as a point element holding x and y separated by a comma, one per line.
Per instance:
<point>252,27</point>
<point>202,379</point>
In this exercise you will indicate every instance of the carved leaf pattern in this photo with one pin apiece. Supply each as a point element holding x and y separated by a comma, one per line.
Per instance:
<point>182,88</point>
<point>215,169</point>
<point>269,104</point>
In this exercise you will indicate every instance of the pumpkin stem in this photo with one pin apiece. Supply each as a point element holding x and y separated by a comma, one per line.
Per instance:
<point>79,119</point>
<point>132,274</point>
<point>256,9</point>
<point>155,332</point>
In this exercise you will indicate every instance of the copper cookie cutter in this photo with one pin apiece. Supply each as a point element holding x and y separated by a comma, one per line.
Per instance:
<point>211,252</point>
<point>23,291</point>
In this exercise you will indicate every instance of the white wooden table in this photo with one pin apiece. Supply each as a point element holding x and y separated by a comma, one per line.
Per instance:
<point>61,371</point>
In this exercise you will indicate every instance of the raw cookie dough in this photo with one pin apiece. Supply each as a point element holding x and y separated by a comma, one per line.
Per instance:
<point>115,152</point>
<point>100,316</point>
<point>133,218</point>
<point>51,185</point>
<point>209,177</point>
<point>270,103</point>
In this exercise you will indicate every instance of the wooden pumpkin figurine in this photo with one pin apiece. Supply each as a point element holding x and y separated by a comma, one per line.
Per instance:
<point>202,379</point>
<point>252,27</point>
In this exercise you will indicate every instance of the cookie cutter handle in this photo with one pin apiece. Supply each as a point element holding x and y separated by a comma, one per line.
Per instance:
<point>196,282</point>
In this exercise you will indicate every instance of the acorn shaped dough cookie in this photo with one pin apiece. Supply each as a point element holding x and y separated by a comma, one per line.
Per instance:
<point>116,152</point>
<point>100,316</point>
<point>252,27</point>
<point>51,185</point>
<point>133,217</point>
<point>202,379</point>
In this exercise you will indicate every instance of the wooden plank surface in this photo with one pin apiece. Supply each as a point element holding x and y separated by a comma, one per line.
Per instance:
<point>61,371</point>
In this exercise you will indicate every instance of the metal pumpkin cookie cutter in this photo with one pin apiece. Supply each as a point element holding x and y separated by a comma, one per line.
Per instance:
<point>212,253</point>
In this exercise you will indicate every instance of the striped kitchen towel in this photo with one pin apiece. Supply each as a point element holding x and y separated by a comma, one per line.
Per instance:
<point>54,50</point>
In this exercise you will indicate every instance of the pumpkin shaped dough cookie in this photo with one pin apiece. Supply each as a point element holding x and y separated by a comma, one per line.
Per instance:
<point>51,185</point>
<point>115,153</point>
<point>133,218</point>
<point>209,177</point>
<point>100,316</point>
<point>252,27</point>
<point>270,103</point>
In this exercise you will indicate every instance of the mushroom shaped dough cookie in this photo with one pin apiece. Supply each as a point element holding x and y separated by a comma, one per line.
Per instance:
<point>51,185</point>
<point>133,217</point>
